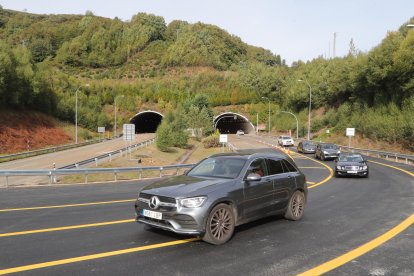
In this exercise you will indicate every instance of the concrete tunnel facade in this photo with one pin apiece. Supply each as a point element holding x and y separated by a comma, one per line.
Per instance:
<point>146,121</point>
<point>230,123</point>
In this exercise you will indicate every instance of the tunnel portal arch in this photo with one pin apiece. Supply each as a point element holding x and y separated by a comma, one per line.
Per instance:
<point>146,121</point>
<point>230,123</point>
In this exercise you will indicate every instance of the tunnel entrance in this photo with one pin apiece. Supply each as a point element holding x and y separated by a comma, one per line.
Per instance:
<point>146,121</point>
<point>230,123</point>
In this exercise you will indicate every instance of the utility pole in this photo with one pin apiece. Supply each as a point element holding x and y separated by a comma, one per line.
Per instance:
<point>334,44</point>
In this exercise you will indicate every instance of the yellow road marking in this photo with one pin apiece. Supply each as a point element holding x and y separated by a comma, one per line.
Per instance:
<point>347,257</point>
<point>67,205</point>
<point>331,173</point>
<point>407,172</point>
<point>93,256</point>
<point>65,228</point>
<point>310,182</point>
<point>353,254</point>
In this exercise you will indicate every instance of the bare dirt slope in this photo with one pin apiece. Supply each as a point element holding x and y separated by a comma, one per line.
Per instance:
<point>22,131</point>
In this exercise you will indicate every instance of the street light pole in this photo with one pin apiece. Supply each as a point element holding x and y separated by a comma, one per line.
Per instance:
<point>115,115</point>
<point>76,112</point>
<point>310,106</point>
<point>268,112</point>
<point>297,122</point>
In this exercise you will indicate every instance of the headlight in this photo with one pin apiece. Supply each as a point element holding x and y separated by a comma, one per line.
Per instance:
<point>339,152</point>
<point>365,167</point>
<point>192,202</point>
<point>339,167</point>
<point>325,152</point>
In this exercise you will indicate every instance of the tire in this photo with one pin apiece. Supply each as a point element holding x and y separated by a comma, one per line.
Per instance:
<point>296,206</point>
<point>220,225</point>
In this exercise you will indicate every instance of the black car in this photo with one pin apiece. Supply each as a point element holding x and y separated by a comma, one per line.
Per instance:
<point>306,147</point>
<point>223,191</point>
<point>326,151</point>
<point>351,164</point>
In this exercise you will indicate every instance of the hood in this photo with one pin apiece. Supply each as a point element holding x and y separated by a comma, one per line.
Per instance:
<point>351,164</point>
<point>309,147</point>
<point>331,150</point>
<point>185,186</point>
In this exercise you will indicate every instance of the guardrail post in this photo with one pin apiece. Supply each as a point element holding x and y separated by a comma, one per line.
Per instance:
<point>77,165</point>
<point>110,157</point>
<point>396,158</point>
<point>96,162</point>
<point>86,178</point>
<point>140,174</point>
<point>161,168</point>
<point>50,177</point>
<point>7,181</point>
<point>116,176</point>
<point>406,160</point>
<point>121,152</point>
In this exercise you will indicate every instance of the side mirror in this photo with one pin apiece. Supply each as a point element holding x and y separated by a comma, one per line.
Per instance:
<point>253,177</point>
<point>185,172</point>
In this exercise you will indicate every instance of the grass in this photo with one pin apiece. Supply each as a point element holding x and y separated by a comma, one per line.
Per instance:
<point>149,156</point>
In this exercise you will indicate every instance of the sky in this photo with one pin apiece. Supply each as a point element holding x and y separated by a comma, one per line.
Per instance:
<point>294,29</point>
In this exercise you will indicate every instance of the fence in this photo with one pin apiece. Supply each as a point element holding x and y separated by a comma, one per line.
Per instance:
<point>9,157</point>
<point>53,174</point>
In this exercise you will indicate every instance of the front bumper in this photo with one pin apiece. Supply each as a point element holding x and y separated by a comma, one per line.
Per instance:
<point>330,155</point>
<point>176,219</point>
<point>351,173</point>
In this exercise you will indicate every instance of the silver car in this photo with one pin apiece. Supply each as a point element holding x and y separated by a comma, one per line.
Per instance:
<point>223,191</point>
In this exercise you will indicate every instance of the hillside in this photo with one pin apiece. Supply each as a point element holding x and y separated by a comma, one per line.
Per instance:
<point>144,63</point>
<point>29,131</point>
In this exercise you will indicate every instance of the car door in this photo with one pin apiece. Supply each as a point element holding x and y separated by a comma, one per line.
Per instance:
<point>282,182</point>
<point>258,195</point>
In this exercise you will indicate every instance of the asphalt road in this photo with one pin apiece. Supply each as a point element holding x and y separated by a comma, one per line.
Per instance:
<point>64,158</point>
<point>341,215</point>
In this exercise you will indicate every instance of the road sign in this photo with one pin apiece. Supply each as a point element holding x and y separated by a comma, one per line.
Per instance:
<point>101,129</point>
<point>129,132</point>
<point>223,138</point>
<point>350,131</point>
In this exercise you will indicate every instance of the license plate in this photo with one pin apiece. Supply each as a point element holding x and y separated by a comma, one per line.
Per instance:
<point>352,172</point>
<point>151,214</point>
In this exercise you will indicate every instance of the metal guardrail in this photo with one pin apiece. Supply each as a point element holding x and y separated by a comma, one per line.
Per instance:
<point>52,174</point>
<point>9,157</point>
<point>108,155</point>
<point>394,156</point>
<point>397,157</point>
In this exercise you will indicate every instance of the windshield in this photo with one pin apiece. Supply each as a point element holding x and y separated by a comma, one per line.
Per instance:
<point>308,143</point>
<point>351,158</point>
<point>329,146</point>
<point>285,137</point>
<point>223,167</point>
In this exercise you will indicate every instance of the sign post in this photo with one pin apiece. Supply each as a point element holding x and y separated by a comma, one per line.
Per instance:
<point>101,130</point>
<point>128,135</point>
<point>223,140</point>
<point>350,132</point>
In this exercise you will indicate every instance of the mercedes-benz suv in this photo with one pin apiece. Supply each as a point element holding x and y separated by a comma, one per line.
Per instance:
<point>223,191</point>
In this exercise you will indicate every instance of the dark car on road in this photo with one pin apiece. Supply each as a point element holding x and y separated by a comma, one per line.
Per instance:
<point>326,151</point>
<point>222,192</point>
<point>351,164</point>
<point>306,147</point>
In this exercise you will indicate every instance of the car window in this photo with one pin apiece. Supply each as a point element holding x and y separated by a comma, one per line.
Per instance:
<point>218,167</point>
<point>258,166</point>
<point>274,167</point>
<point>289,166</point>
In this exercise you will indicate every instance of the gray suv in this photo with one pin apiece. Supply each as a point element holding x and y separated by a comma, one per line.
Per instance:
<point>326,151</point>
<point>223,191</point>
